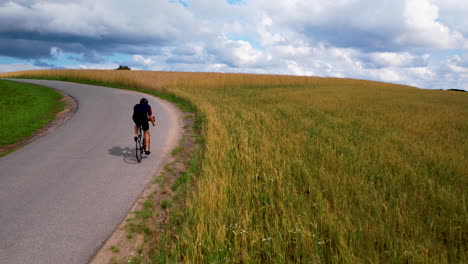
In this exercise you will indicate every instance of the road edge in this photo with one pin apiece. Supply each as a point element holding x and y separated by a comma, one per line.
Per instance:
<point>156,190</point>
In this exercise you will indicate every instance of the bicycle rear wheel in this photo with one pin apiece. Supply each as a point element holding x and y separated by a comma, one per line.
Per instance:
<point>139,146</point>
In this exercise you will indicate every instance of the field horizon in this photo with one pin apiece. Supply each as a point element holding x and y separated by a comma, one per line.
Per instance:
<point>301,169</point>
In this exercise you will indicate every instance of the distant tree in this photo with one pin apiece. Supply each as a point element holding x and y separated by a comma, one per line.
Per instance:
<point>123,68</point>
<point>456,90</point>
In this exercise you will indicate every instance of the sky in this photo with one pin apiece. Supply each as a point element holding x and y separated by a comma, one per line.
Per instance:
<point>423,43</point>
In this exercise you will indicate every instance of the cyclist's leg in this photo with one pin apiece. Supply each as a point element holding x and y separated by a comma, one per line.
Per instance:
<point>145,127</point>
<point>147,140</point>
<point>135,127</point>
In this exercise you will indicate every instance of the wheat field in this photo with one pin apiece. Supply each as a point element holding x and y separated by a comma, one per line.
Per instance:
<point>314,170</point>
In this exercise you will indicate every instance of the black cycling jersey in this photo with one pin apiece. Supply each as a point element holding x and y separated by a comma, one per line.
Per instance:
<point>141,112</point>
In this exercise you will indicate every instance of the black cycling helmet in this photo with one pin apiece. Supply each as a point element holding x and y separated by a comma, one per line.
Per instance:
<point>143,101</point>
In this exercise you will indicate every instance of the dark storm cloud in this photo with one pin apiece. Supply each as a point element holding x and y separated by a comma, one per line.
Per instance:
<point>24,49</point>
<point>37,45</point>
<point>29,29</point>
<point>40,63</point>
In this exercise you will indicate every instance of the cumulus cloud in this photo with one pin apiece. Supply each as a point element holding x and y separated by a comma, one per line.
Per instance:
<point>395,59</point>
<point>387,40</point>
<point>56,52</point>
<point>452,13</point>
<point>97,66</point>
<point>385,25</point>
<point>237,53</point>
<point>121,20</point>
<point>82,25</point>
<point>139,59</point>
<point>423,28</point>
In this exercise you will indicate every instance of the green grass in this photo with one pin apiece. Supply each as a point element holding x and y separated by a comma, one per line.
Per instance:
<point>177,150</point>
<point>135,260</point>
<point>114,260</point>
<point>165,204</point>
<point>146,211</point>
<point>114,249</point>
<point>24,108</point>
<point>9,151</point>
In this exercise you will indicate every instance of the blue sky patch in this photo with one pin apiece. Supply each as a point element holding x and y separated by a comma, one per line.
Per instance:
<point>10,60</point>
<point>180,2</point>
<point>236,2</point>
<point>252,42</point>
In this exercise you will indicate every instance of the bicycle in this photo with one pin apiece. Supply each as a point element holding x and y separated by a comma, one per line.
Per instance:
<point>140,141</point>
<point>140,144</point>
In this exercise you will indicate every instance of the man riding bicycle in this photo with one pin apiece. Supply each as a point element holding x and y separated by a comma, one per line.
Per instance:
<point>141,113</point>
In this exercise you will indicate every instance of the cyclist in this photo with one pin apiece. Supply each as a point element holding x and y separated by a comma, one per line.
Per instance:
<point>141,113</point>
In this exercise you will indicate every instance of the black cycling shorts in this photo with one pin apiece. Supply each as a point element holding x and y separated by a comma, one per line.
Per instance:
<point>141,122</point>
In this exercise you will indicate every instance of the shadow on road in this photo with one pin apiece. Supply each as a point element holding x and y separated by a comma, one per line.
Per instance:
<point>127,153</point>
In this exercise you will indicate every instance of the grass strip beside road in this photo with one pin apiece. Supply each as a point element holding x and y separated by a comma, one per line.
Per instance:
<point>25,108</point>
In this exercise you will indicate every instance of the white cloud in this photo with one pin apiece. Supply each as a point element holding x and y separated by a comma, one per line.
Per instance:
<point>145,61</point>
<point>238,53</point>
<point>397,59</point>
<point>264,30</point>
<point>423,28</point>
<point>18,67</point>
<point>386,74</point>
<point>56,52</point>
<point>453,14</point>
<point>295,69</point>
<point>384,25</point>
<point>96,66</point>
<point>388,40</point>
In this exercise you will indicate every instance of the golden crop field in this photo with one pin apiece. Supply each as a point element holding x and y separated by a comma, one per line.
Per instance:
<point>316,170</point>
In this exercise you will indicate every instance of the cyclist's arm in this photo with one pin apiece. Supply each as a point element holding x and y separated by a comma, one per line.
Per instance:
<point>151,117</point>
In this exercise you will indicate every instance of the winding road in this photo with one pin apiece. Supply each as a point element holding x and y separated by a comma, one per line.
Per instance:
<point>63,195</point>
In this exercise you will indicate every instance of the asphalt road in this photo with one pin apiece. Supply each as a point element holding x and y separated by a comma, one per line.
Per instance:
<point>62,195</point>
